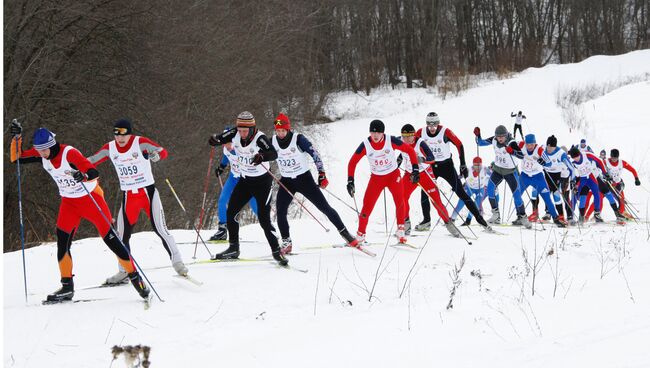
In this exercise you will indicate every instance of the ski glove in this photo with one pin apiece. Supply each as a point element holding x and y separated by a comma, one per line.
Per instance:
<point>219,170</point>
<point>15,128</point>
<point>477,132</point>
<point>154,156</point>
<point>541,161</point>
<point>257,159</point>
<point>351,186</point>
<point>214,140</point>
<point>415,177</point>
<point>322,180</point>
<point>637,182</point>
<point>463,171</point>
<point>607,177</point>
<point>79,176</point>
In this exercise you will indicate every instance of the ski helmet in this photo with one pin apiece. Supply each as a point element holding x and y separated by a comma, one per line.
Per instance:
<point>408,130</point>
<point>432,119</point>
<point>377,126</point>
<point>501,131</point>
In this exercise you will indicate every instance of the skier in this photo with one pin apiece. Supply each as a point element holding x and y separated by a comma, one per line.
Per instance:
<point>380,151</point>
<point>229,158</point>
<point>438,138</point>
<point>534,159</point>
<point>603,155</point>
<point>292,161</point>
<point>555,178</point>
<point>428,184</point>
<point>591,171</point>
<point>132,156</point>
<point>72,172</point>
<point>253,149</point>
<point>615,168</point>
<point>519,118</point>
<point>583,147</point>
<point>475,185</point>
<point>504,168</point>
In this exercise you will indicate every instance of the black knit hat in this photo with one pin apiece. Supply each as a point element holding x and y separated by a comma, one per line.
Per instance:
<point>408,130</point>
<point>122,127</point>
<point>377,126</point>
<point>551,141</point>
<point>614,153</point>
<point>574,152</point>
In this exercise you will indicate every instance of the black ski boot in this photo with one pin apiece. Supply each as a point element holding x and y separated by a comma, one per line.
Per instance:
<point>597,217</point>
<point>221,234</point>
<point>349,238</point>
<point>278,256</point>
<point>66,292</point>
<point>139,285</point>
<point>407,226</point>
<point>231,253</point>
<point>467,222</point>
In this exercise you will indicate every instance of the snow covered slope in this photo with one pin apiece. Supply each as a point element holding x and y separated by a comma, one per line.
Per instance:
<point>591,295</point>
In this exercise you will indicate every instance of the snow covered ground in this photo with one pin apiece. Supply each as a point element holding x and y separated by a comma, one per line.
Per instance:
<point>591,285</point>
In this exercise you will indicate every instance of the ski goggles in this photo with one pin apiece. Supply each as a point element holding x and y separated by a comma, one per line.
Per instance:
<point>120,131</point>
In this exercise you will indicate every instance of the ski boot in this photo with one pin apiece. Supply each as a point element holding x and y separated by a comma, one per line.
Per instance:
<point>559,221</point>
<point>121,277</point>
<point>597,217</point>
<point>620,218</point>
<point>66,292</point>
<point>361,238</point>
<point>407,226</point>
<point>452,229</point>
<point>533,216</point>
<point>286,246</point>
<point>467,222</point>
<point>423,226</point>
<point>350,240</point>
<point>546,217</point>
<point>278,256</point>
<point>496,217</point>
<point>221,234</point>
<point>522,220</point>
<point>581,219</point>
<point>401,237</point>
<point>231,253</point>
<point>180,268</point>
<point>139,285</point>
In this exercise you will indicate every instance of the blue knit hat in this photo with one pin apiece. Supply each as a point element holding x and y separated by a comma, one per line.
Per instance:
<point>530,138</point>
<point>43,139</point>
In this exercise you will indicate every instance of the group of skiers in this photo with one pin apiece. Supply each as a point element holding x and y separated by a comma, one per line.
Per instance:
<point>397,163</point>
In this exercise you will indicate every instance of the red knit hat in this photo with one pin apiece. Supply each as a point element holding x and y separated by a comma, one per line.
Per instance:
<point>477,161</point>
<point>282,122</point>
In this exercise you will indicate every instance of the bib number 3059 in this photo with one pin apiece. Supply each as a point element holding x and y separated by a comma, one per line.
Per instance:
<point>128,170</point>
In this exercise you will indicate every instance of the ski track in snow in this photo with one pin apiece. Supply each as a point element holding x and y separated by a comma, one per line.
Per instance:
<point>256,314</point>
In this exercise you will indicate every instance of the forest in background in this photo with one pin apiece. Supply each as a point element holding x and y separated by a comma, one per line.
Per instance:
<point>182,70</point>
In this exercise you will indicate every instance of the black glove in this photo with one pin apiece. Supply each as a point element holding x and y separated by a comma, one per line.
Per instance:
<point>219,170</point>
<point>477,132</point>
<point>463,171</point>
<point>637,182</point>
<point>214,140</point>
<point>79,176</point>
<point>415,177</point>
<point>257,159</point>
<point>15,128</point>
<point>541,161</point>
<point>621,186</point>
<point>607,177</point>
<point>350,186</point>
<point>399,160</point>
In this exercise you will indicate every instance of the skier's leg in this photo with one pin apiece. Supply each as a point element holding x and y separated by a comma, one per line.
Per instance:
<point>224,197</point>
<point>375,186</point>
<point>426,208</point>
<point>66,225</point>
<point>493,185</point>
<point>433,192</point>
<point>542,188</point>
<point>261,189</point>
<point>157,216</point>
<point>407,188</point>
<point>240,196</point>
<point>396,189</point>
<point>282,202</point>
<point>312,192</point>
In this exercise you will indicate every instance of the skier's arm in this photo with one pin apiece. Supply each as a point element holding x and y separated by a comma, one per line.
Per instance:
<point>354,160</point>
<point>401,146</point>
<point>148,146</point>
<point>267,151</point>
<point>629,168</point>
<point>512,114</point>
<point>428,154</point>
<point>514,149</point>
<point>79,162</point>
<point>25,157</point>
<point>544,157</point>
<point>100,156</point>
<point>591,157</point>
<point>223,138</point>
<point>305,145</point>
<point>451,137</point>
<point>224,162</point>
<point>418,134</point>
<point>484,142</point>
<point>567,163</point>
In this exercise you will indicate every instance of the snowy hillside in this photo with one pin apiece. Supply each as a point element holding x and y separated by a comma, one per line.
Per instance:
<point>591,285</point>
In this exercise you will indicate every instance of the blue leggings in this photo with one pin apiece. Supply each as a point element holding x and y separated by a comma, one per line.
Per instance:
<point>224,197</point>
<point>538,182</point>
<point>511,179</point>
<point>479,197</point>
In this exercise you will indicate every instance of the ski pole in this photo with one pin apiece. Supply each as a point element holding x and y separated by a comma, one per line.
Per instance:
<point>205,194</point>
<point>20,213</point>
<point>188,216</point>
<point>340,200</point>
<point>294,197</point>
<point>621,199</point>
<point>138,268</point>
